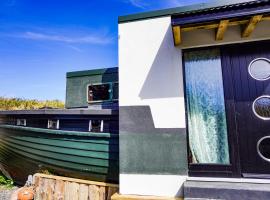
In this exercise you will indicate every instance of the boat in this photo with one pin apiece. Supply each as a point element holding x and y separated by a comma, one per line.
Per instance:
<point>80,141</point>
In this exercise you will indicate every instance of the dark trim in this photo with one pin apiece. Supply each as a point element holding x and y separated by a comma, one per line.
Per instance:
<point>208,17</point>
<point>186,9</point>
<point>92,72</point>
<point>61,112</point>
<point>58,132</point>
<point>199,170</point>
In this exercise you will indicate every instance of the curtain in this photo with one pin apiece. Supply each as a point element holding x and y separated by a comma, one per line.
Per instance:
<point>206,108</point>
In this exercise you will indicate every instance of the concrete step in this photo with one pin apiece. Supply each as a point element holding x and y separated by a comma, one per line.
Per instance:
<point>202,190</point>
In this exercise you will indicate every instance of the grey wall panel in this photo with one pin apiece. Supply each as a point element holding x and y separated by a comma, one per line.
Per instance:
<point>145,149</point>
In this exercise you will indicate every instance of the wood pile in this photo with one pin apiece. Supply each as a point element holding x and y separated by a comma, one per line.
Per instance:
<point>48,187</point>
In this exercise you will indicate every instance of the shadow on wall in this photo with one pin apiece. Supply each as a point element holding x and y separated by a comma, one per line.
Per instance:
<point>164,79</point>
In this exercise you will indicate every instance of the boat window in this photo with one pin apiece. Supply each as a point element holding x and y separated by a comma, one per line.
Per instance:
<point>261,107</point>
<point>259,69</point>
<point>53,124</point>
<point>99,92</point>
<point>207,126</point>
<point>96,126</point>
<point>263,148</point>
<point>21,122</point>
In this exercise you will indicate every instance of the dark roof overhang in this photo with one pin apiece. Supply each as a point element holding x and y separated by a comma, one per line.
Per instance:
<point>247,14</point>
<point>195,8</point>
<point>224,12</point>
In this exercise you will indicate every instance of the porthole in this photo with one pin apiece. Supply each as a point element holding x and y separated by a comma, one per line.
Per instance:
<point>263,148</point>
<point>259,69</point>
<point>261,107</point>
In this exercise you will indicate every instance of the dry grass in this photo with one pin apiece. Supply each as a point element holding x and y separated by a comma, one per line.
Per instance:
<point>25,104</point>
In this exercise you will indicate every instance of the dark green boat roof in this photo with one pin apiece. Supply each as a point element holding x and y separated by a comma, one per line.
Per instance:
<point>92,72</point>
<point>209,6</point>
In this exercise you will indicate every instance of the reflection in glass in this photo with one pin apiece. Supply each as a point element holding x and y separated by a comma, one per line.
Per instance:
<point>260,69</point>
<point>99,92</point>
<point>206,108</point>
<point>264,148</point>
<point>261,107</point>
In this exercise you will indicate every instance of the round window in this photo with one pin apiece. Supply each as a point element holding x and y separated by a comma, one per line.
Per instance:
<point>263,148</point>
<point>259,69</point>
<point>261,107</point>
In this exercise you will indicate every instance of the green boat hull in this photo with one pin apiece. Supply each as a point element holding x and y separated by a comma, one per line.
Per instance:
<point>25,151</point>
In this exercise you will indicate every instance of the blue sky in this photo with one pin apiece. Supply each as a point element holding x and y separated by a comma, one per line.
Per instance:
<point>41,40</point>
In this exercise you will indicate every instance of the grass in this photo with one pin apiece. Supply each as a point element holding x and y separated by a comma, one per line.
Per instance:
<point>25,104</point>
<point>5,182</point>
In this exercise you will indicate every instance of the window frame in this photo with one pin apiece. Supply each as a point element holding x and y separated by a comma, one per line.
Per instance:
<point>99,101</point>
<point>254,110</point>
<point>101,126</point>
<point>250,66</point>
<point>57,124</point>
<point>18,122</point>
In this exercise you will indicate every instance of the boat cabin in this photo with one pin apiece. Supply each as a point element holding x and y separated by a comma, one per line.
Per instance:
<point>91,105</point>
<point>194,96</point>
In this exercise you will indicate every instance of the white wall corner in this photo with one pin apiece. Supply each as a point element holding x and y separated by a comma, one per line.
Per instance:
<point>152,185</point>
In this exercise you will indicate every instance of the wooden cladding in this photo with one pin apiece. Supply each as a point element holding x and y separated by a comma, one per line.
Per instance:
<point>221,27</point>
<point>177,35</point>
<point>56,187</point>
<point>251,25</point>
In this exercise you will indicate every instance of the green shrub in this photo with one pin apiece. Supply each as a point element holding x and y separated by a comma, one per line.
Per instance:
<point>5,181</point>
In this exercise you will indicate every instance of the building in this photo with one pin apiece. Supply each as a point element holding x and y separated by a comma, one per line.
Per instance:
<point>194,97</point>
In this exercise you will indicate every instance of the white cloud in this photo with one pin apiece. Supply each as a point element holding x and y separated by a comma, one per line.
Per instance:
<point>75,48</point>
<point>100,39</point>
<point>173,3</point>
<point>137,3</point>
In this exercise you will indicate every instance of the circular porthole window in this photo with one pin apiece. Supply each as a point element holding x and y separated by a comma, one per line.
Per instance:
<point>263,148</point>
<point>259,69</point>
<point>261,107</point>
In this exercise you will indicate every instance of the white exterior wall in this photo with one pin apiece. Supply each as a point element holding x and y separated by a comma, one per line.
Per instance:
<point>150,71</point>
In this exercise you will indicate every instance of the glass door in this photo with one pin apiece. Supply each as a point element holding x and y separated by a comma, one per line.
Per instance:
<point>207,126</point>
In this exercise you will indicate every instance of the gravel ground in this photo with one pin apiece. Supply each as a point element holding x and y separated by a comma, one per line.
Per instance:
<point>5,193</point>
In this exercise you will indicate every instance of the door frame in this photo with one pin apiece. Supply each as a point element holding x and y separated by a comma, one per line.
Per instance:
<point>233,170</point>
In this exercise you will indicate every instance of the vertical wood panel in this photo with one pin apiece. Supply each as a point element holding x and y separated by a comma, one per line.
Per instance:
<point>74,191</point>
<point>102,193</point>
<point>66,191</point>
<point>59,190</point>
<point>83,192</point>
<point>38,181</point>
<point>93,192</point>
